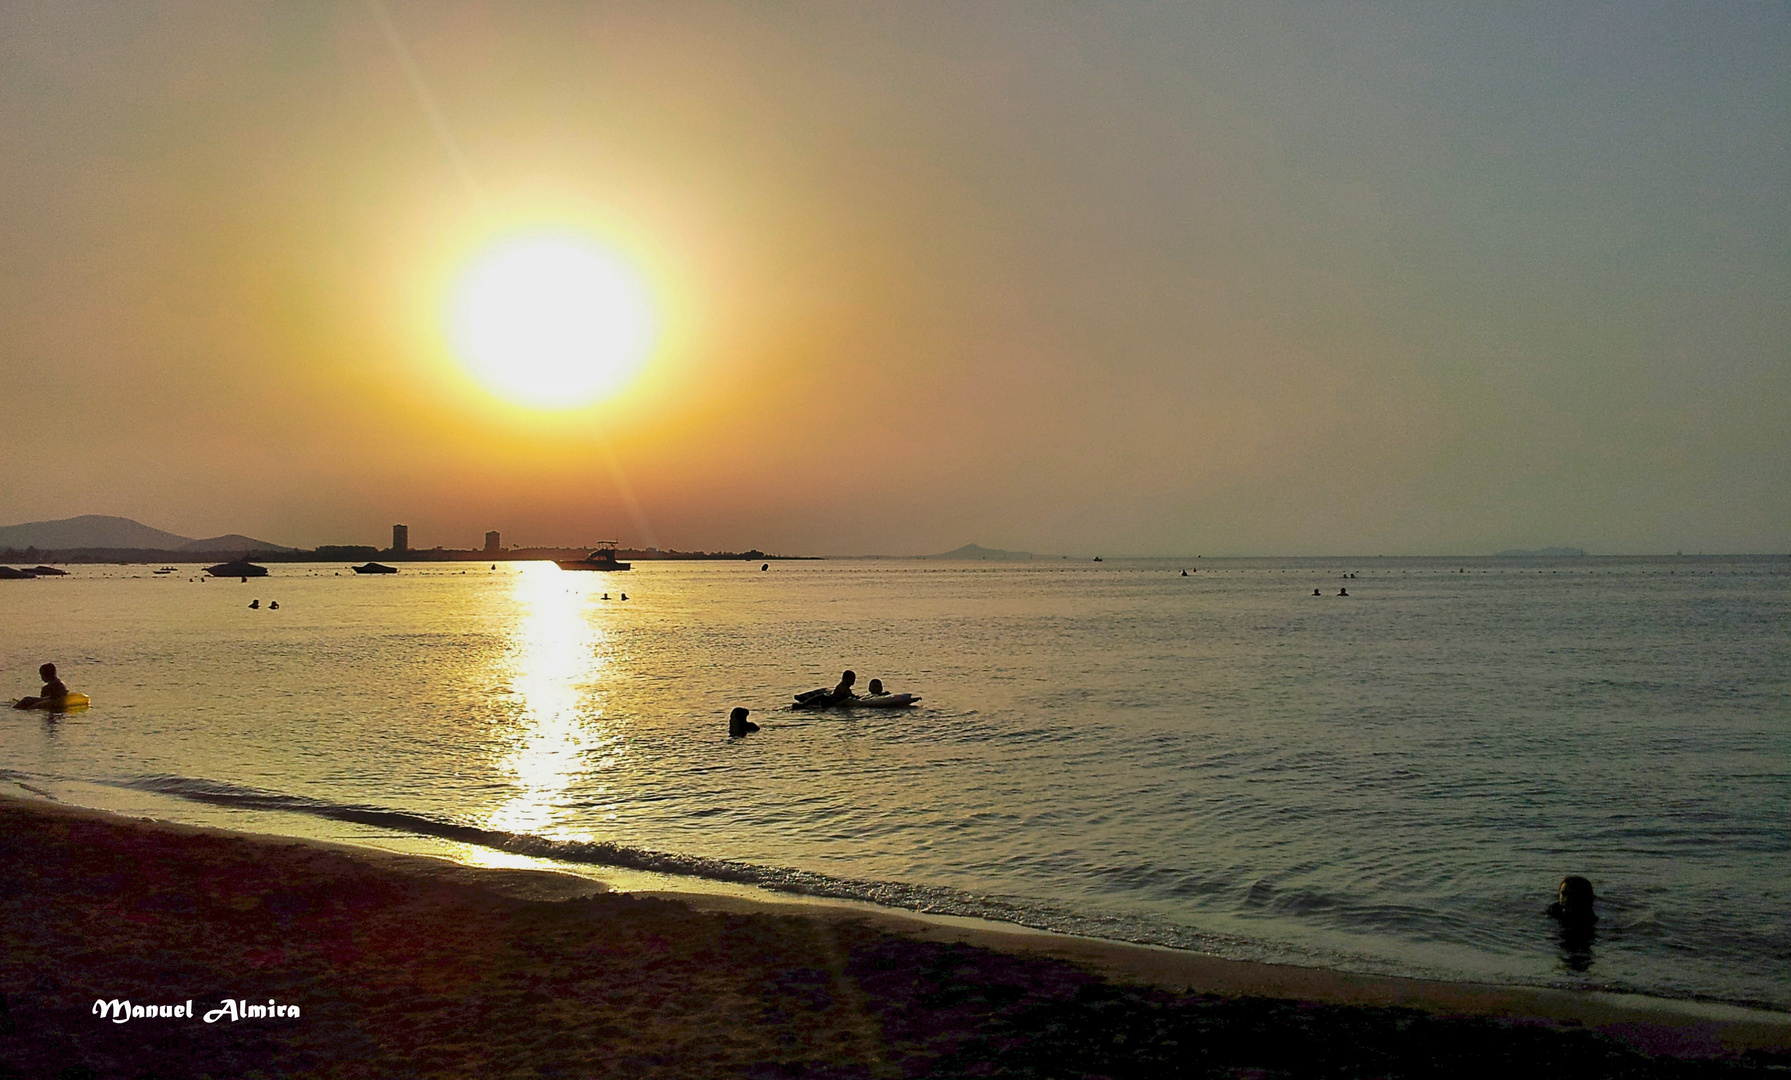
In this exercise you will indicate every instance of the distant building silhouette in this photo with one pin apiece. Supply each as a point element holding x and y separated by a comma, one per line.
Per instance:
<point>400,539</point>
<point>491,542</point>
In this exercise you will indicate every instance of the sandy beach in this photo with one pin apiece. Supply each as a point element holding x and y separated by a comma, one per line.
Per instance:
<point>410,966</point>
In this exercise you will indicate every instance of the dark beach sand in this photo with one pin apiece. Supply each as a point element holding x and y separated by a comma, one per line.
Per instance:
<point>412,967</point>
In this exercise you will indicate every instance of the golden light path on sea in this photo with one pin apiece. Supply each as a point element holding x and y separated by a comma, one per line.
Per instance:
<point>558,733</point>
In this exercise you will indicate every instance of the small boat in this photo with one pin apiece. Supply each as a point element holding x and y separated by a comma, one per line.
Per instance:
<point>166,570</point>
<point>48,571</point>
<point>7,573</point>
<point>237,568</point>
<point>604,558</point>
<point>374,568</point>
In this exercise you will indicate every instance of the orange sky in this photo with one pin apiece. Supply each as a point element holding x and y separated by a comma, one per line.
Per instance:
<point>1132,278</point>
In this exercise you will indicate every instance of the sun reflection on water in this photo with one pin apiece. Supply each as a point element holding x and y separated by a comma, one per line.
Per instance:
<point>557,733</point>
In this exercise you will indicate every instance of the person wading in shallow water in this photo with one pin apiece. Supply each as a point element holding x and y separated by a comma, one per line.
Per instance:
<point>1572,911</point>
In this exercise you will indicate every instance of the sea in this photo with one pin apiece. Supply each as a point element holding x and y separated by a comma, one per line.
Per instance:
<point>1242,761</point>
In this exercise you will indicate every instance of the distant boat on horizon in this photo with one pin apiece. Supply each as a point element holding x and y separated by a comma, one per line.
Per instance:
<point>237,568</point>
<point>374,568</point>
<point>604,558</point>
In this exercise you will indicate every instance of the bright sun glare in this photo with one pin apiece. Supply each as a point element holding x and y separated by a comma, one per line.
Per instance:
<point>551,321</point>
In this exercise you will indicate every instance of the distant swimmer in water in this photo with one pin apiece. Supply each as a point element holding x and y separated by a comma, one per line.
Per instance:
<point>255,604</point>
<point>53,689</point>
<point>738,724</point>
<point>624,596</point>
<point>1315,592</point>
<point>273,605</point>
<point>1342,592</point>
<point>764,566</point>
<point>605,596</point>
<point>843,692</point>
<point>876,687</point>
<point>1184,573</point>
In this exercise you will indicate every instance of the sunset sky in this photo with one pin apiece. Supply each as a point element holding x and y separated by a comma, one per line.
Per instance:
<point>1127,278</point>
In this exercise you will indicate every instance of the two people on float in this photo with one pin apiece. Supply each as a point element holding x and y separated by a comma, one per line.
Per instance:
<point>53,690</point>
<point>843,692</point>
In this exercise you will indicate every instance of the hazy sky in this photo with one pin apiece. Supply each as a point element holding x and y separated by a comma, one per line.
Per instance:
<point>1125,278</point>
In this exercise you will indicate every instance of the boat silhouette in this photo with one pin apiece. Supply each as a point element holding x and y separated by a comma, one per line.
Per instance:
<point>604,558</point>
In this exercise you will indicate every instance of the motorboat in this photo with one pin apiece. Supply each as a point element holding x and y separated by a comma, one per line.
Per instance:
<point>604,558</point>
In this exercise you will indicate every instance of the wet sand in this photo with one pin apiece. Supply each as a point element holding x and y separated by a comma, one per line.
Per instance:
<point>410,966</point>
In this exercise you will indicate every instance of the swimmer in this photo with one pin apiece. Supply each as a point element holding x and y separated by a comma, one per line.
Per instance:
<point>255,604</point>
<point>605,596</point>
<point>273,605</point>
<point>1577,922</point>
<point>624,596</point>
<point>843,692</point>
<point>876,687</point>
<point>1573,903</point>
<point>1342,592</point>
<point>1315,592</point>
<point>739,725</point>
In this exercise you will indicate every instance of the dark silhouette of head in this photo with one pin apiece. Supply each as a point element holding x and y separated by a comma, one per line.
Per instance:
<point>1572,910</point>
<point>738,724</point>
<point>848,677</point>
<point>876,686</point>
<point>48,671</point>
<point>1573,903</point>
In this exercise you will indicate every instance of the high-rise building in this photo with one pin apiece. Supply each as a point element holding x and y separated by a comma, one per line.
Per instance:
<point>491,542</point>
<point>400,539</point>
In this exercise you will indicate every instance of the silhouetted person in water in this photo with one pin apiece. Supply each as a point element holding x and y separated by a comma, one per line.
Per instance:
<point>255,605</point>
<point>843,691</point>
<point>1572,910</point>
<point>53,689</point>
<point>738,724</point>
<point>1315,592</point>
<point>1342,592</point>
<point>273,605</point>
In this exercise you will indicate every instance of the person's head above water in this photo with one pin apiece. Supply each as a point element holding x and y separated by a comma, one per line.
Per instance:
<point>48,671</point>
<point>848,677</point>
<point>876,686</point>
<point>1576,895</point>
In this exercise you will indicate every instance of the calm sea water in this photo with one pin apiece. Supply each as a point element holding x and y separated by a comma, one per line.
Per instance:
<point>1388,782</point>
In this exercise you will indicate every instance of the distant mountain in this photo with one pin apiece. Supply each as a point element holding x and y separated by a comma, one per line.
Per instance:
<point>100,531</point>
<point>971,551</point>
<point>232,542</point>
<point>1541,553</point>
<point>89,531</point>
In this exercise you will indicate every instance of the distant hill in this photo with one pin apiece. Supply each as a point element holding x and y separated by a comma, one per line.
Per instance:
<point>89,531</point>
<point>972,551</point>
<point>232,542</point>
<point>119,533</point>
<point>1541,553</point>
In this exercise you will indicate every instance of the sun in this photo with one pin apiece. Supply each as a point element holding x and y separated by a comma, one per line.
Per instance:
<point>551,321</point>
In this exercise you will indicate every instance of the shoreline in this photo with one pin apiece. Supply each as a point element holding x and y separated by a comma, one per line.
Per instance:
<point>1155,964</point>
<point>214,883</point>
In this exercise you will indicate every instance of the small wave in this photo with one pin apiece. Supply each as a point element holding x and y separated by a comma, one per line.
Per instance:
<point>922,899</point>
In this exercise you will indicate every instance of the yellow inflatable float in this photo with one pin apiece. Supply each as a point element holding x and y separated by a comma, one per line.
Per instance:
<point>73,701</point>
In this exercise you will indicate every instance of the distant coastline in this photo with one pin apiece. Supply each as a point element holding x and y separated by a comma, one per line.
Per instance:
<point>95,538</point>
